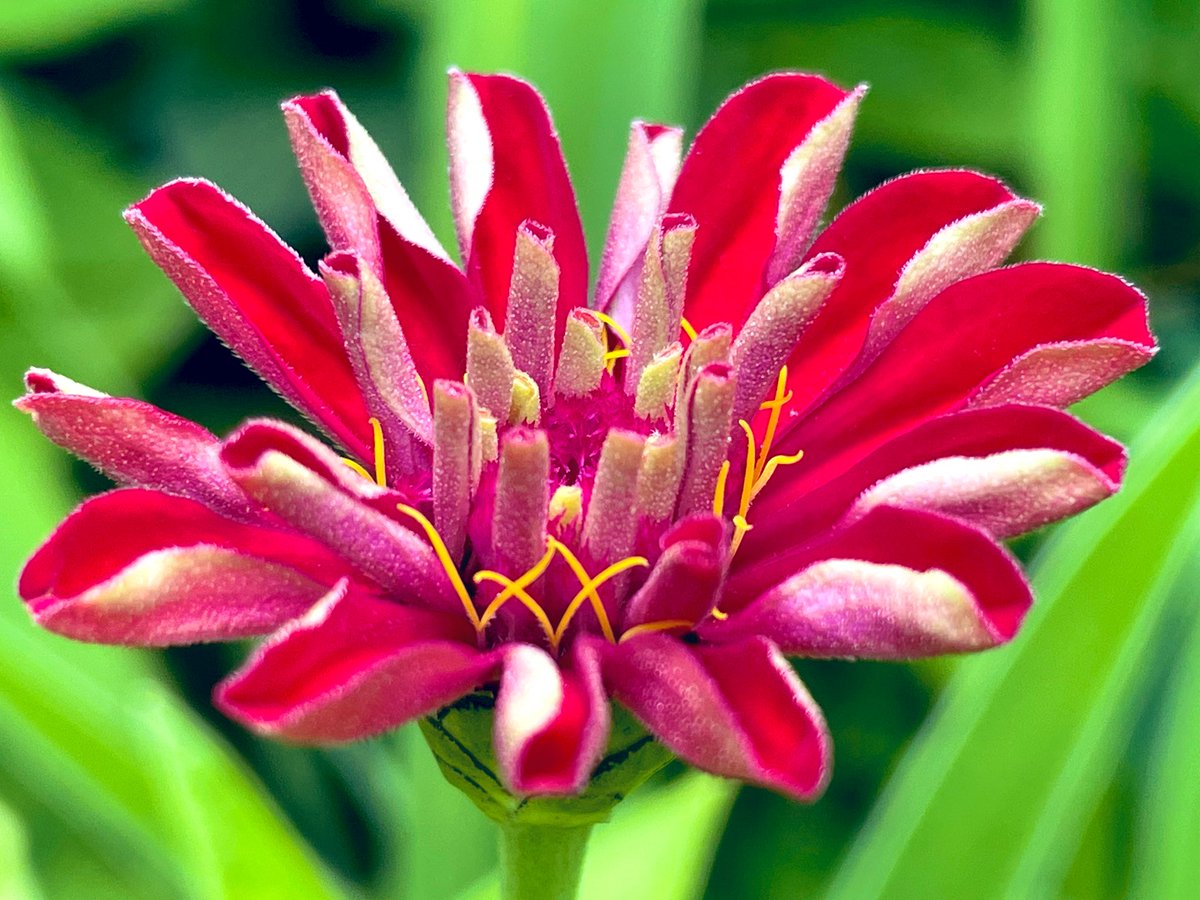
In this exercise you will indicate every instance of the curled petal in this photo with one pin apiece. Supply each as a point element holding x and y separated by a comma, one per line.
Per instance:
<point>651,165</point>
<point>995,317</point>
<point>307,486</point>
<point>800,503</point>
<point>683,585</point>
<point>506,166</point>
<point>911,538</point>
<point>354,666</point>
<point>551,723</point>
<point>737,224</point>
<point>736,710</point>
<point>900,240</point>
<point>140,567</point>
<point>257,295</point>
<point>134,443</point>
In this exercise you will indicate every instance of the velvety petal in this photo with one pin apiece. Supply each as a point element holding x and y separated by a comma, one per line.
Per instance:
<point>132,442</point>
<point>309,487</point>
<point>914,539</point>
<point>731,183</point>
<point>257,295</point>
<point>881,236</point>
<point>364,208</point>
<point>799,503</point>
<point>651,165</point>
<point>852,608</point>
<point>141,567</point>
<point>736,710</point>
<point>354,666</point>
<point>994,318</point>
<point>683,585</point>
<point>506,166</point>
<point>551,723</point>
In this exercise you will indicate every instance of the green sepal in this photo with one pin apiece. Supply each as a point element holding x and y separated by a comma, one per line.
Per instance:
<point>460,736</point>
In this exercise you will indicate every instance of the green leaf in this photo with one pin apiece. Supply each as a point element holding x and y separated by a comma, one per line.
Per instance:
<point>1022,746</point>
<point>1165,864</point>
<point>27,28</point>
<point>17,881</point>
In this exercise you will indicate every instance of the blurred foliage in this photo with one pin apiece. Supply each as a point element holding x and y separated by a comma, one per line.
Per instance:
<point>1064,765</point>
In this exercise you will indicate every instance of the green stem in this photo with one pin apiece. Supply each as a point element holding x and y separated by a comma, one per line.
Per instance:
<point>541,862</point>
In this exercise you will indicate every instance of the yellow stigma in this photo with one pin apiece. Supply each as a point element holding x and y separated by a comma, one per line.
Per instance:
<point>647,627</point>
<point>443,555</point>
<point>611,356</point>
<point>516,589</point>
<point>588,590</point>
<point>687,328</point>
<point>380,467</point>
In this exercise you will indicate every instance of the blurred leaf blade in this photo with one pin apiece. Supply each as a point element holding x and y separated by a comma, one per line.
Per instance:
<point>1023,741</point>
<point>27,28</point>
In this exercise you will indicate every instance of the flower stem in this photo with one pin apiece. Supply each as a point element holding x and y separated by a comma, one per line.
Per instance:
<point>541,862</point>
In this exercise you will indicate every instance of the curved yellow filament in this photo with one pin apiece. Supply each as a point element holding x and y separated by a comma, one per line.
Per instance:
<point>443,555</point>
<point>615,326</point>
<point>648,627</point>
<point>380,466</point>
<point>719,494</point>
<point>615,354</point>
<point>359,469</point>
<point>740,527</point>
<point>512,587</point>
<point>775,405</point>
<point>588,591</point>
<point>687,328</point>
<point>748,474</point>
<point>772,464</point>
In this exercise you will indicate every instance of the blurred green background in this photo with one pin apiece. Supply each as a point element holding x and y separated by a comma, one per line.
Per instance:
<point>1067,764</point>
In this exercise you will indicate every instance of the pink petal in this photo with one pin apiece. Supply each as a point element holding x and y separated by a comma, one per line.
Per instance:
<point>994,318</point>
<point>878,236</point>
<point>736,710</point>
<point>140,567</point>
<point>506,166</point>
<point>354,666</point>
<point>364,208</point>
<point>801,503</point>
<point>309,487</point>
<point>911,538</point>
<point>132,442</point>
<point>684,582</point>
<point>259,298</point>
<point>731,182</point>
<point>551,723</point>
<point>651,165</point>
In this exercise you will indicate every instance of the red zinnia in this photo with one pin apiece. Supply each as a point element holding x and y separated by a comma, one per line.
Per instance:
<point>748,444</point>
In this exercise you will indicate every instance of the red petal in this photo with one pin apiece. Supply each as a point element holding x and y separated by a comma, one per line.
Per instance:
<point>730,183</point>
<point>528,180</point>
<point>736,710</point>
<point>141,567</point>
<point>960,341</point>
<point>911,538</point>
<point>259,298</point>
<point>356,665</point>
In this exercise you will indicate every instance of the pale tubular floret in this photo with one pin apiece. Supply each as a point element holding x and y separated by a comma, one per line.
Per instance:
<point>490,368</point>
<point>712,345</point>
<point>522,499</point>
<point>609,529</point>
<point>659,306</point>
<point>457,460</point>
<point>706,420</point>
<point>657,385</point>
<point>533,304</point>
<point>581,361</point>
<point>658,478</point>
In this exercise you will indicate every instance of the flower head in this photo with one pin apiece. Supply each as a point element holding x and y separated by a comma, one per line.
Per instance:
<point>745,444</point>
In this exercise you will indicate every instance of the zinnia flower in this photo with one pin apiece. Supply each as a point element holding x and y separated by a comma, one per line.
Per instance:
<point>746,444</point>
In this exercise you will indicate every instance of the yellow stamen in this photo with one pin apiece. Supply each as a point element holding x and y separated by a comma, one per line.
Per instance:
<point>443,555</point>
<point>718,615</point>
<point>719,494</point>
<point>748,474</point>
<point>740,527</point>
<point>517,589</point>
<point>615,326</point>
<point>357,468</point>
<point>615,354</point>
<point>647,627</point>
<point>588,590</point>
<point>380,467</point>
<point>772,464</point>
<point>687,328</point>
<point>775,405</point>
